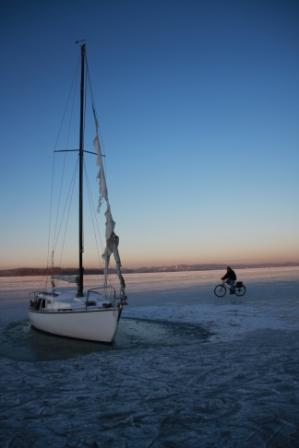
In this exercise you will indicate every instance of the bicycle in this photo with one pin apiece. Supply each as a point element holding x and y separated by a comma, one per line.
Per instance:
<point>239,289</point>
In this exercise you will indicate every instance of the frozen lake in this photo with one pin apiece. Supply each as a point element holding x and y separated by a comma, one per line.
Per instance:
<point>187,369</point>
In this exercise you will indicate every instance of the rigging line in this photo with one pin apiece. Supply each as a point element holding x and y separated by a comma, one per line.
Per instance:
<point>70,119</point>
<point>69,107</point>
<point>96,231</point>
<point>101,141</point>
<point>75,76</point>
<point>97,127</point>
<point>50,218</point>
<point>97,234</point>
<point>89,82</point>
<point>60,195</point>
<point>66,202</point>
<point>68,215</point>
<point>50,226</point>
<point>56,236</point>
<point>88,77</point>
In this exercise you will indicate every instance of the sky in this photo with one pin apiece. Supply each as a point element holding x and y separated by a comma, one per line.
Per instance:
<point>198,103</point>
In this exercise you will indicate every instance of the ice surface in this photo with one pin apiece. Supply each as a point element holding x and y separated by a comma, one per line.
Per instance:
<point>187,369</point>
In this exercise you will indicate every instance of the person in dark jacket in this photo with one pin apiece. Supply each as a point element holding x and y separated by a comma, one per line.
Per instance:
<point>230,278</point>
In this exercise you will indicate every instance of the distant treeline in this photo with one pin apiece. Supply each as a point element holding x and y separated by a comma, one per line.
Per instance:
<point>43,271</point>
<point>175,268</point>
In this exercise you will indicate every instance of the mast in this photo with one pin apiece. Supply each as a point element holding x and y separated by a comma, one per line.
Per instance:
<point>81,153</point>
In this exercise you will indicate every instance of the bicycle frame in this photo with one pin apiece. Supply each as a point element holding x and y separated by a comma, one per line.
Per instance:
<point>238,288</point>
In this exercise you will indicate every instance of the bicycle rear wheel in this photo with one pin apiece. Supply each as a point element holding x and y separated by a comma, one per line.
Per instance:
<point>220,290</point>
<point>240,290</point>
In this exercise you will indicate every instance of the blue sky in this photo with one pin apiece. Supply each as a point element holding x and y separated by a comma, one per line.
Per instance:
<point>198,104</point>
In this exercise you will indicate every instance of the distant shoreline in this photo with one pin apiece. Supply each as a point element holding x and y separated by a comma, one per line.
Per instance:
<point>26,272</point>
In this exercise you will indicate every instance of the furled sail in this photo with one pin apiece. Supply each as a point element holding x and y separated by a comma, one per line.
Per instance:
<point>112,240</point>
<point>101,174</point>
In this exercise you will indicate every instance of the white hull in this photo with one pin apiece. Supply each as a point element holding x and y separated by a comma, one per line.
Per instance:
<point>93,325</point>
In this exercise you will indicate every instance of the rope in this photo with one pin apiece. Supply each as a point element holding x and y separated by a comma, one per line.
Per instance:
<point>89,85</point>
<point>92,209</point>
<point>53,169</point>
<point>50,219</point>
<point>60,195</point>
<point>72,87</point>
<point>108,279</point>
<point>66,204</point>
<point>72,188</point>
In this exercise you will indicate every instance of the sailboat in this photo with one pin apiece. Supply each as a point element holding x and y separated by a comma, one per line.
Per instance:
<point>93,314</point>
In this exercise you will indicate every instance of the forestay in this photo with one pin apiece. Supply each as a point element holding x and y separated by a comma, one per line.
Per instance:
<point>112,239</point>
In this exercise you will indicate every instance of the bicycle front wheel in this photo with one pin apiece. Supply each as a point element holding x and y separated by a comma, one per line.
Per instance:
<point>220,290</point>
<point>240,290</point>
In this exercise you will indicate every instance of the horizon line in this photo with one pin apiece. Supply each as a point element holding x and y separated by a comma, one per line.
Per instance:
<point>154,268</point>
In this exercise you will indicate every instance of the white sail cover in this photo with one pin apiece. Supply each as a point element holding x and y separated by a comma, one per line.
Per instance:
<point>101,174</point>
<point>110,224</point>
<point>112,239</point>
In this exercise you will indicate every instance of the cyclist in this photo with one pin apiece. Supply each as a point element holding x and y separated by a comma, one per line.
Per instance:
<point>230,278</point>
